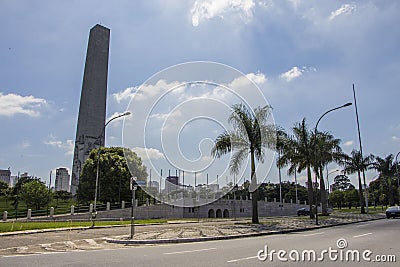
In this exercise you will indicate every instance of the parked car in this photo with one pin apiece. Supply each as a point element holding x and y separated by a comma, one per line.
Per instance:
<point>393,212</point>
<point>303,212</point>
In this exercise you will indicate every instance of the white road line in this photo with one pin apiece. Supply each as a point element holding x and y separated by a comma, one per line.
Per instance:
<point>362,235</point>
<point>363,224</point>
<point>188,251</point>
<point>319,233</point>
<point>242,259</point>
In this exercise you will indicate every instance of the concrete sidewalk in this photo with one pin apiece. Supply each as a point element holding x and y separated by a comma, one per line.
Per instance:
<point>239,229</point>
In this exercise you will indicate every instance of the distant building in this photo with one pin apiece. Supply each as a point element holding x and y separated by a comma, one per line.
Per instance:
<point>155,185</point>
<point>171,184</point>
<point>5,176</point>
<point>13,180</point>
<point>62,179</point>
<point>214,187</point>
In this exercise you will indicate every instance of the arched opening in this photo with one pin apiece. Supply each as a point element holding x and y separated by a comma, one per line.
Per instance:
<point>211,213</point>
<point>226,213</point>
<point>219,213</point>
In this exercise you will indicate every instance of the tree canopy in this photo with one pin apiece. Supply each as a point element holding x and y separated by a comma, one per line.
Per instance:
<point>114,174</point>
<point>35,194</point>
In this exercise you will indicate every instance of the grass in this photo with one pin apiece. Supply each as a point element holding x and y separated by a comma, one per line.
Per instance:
<point>24,226</point>
<point>371,210</point>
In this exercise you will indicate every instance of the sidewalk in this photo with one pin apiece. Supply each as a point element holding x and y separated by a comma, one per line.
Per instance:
<point>239,229</point>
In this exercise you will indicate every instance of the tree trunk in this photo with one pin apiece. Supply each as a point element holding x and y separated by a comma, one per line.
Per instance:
<point>323,193</point>
<point>254,189</point>
<point>390,191</point>
<point>310,192</point>
<point>360,192</point>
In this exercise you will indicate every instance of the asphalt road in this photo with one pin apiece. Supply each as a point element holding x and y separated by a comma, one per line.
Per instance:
<point>380,237</point>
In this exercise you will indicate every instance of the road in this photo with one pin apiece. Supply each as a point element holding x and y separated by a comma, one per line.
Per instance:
<point>380,237</point>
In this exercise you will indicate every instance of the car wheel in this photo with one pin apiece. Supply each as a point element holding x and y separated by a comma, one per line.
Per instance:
<point>387,217</point>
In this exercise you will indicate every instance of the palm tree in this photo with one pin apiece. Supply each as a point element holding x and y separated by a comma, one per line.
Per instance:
<point>357,164</point>
<point>387,171</point>
<point>298,152</point>
<point>251,134</point>
<point>327,150</point>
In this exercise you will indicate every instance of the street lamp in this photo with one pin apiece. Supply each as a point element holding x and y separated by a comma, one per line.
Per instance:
<point>98,155</point>
<point>315,150</point>
<point>361,151</point>
<point>133,187</point>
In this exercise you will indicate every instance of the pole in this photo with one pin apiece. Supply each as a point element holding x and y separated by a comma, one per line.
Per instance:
<point>315,152</point>
<point>361,151</point>
<point>295,180</point>
<point>132,218</point>
<point>280,182</point>
<point>397,174</point>
<point>99,140</point>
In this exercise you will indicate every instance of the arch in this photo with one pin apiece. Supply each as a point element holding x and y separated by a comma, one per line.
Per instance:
<point>211,213</point>
<point>226,213</point>
<point>219,213</point>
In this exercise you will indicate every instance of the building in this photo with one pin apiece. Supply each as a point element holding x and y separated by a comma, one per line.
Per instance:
<point>171,184</point>
<point>62,179</point>
<point>5,176</point>
<point>92,108</point>
<point>155,185</point>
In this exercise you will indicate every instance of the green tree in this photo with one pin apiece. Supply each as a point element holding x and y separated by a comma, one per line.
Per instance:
<point>3,188</point>
<point>114,174</point>
<point>342,182</point>
<point>298,153</point>
<point>352,198</point>
<point>387,173</point>
<point>327,150</point>
<point>337,198</point>
<point>251,135</point>
<point>357,164</point>
<point>35,194</point>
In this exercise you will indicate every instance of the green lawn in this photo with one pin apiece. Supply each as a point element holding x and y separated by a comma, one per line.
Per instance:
<point>23,226</point>
<point>371,210</point>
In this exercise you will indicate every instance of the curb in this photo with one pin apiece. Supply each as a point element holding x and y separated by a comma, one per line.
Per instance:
<point>80,228</point>
<point>213,238</point>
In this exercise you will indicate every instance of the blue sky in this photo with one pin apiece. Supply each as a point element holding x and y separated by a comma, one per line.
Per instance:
<point>303,55</point>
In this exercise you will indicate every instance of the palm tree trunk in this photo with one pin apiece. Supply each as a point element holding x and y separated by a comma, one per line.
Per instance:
<point>254,198</point>
<point>360,192</point>
<point>323,193</point>
<point>310,192</point>
<point>390,191</point>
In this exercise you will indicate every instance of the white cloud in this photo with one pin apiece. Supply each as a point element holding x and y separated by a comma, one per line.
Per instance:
<point>25,144</point>
<point>349,143</point>
<point>207,9</point>
<point>258,78</point>
<point>148,153</point>
<point>164,116</point>
<point>68,145</point>
<point>127,94</point>
<point>345,9</point>
<point>12,104</point>
<point>292,74</point>
<point>395,138</point>
<point>295,72</point>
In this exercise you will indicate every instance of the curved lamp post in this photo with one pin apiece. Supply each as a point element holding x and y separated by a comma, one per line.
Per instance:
<point>98,155</point>
<point>315,151</point>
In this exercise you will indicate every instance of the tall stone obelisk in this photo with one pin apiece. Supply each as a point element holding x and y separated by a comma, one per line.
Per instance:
<point>92,109</point>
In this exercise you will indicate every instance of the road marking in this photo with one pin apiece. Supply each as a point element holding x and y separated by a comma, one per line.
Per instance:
<point>242,259</point>
<point>319,233</point>
<point>362,235</point>
<point>188,251</point>
<point>363,224</point>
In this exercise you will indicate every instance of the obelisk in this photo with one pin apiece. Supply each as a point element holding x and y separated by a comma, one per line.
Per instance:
<point>92,108</point>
